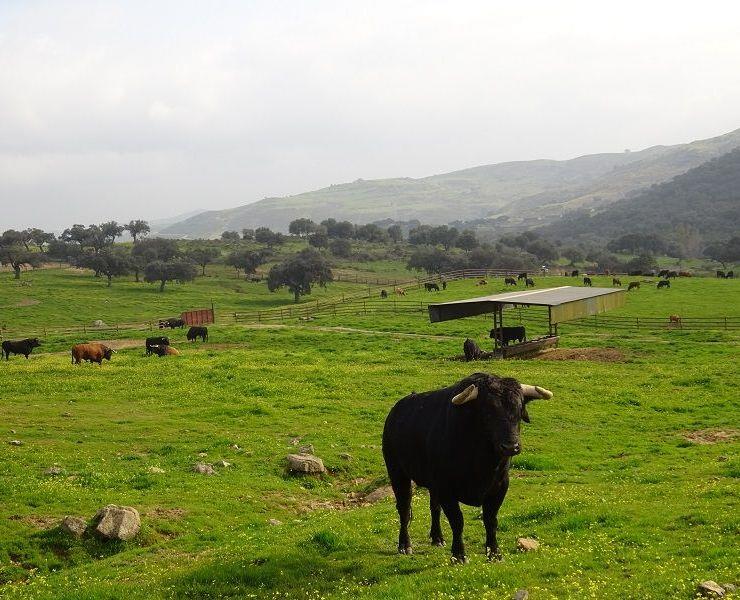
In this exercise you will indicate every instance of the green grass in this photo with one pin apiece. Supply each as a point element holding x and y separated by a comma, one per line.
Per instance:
<point>623,504</point>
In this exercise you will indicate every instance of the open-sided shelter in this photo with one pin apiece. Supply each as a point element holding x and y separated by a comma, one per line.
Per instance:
<point>563,304</point>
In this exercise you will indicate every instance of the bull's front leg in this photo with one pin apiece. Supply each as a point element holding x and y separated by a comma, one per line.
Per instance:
<point>491,506</point>
<point>455,517</point>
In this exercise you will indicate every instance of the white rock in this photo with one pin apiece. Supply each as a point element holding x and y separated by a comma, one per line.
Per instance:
<point>15,443</point>
<point>156,470</point>
<point>53,471</point>
<point>117,522</point>
<point>204,469</point>
<point>527,544</point>
<point>75,526</point>
<point>275,522</point>
<point>305,463</point>
<point>223,463</point>
<point>711,589</point>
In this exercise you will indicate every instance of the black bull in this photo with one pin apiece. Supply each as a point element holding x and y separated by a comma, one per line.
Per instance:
<point>456,442</point>
<point>504,335</point>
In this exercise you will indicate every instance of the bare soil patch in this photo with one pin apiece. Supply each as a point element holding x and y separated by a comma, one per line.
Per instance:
<point>27,302</point>
<point>594,354</point>
<point>159,512</point>
<point>38,521</point>
<point>711,436</point>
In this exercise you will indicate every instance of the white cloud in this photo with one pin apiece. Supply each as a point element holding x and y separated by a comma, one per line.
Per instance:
<point>120,110</point>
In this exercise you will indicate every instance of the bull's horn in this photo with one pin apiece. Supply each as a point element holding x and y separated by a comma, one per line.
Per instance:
<point>112,350</point>
<point>533,392</point>
<point>468,394</point>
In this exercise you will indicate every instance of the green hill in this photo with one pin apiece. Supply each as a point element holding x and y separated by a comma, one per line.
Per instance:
<point>526,192</point>
<point>705,198</point>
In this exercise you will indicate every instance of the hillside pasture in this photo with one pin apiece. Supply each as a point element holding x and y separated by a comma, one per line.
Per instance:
<point>628,476</point>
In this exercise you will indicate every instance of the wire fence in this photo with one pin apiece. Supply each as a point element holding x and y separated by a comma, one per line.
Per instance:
<point>368,301</point>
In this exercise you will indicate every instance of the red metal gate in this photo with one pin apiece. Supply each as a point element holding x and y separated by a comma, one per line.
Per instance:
<point>200,316</point>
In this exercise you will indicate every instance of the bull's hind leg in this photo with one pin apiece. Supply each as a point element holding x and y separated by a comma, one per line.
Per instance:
<point>435,533</point>
<point>455,517</point>
<point>402,489</point>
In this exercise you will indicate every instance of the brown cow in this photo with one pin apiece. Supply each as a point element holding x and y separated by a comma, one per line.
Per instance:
<point>484,282</point>
<point>675,319</point>
<point>400,292</point>
<point>92,352</point>
<point>165,350</point>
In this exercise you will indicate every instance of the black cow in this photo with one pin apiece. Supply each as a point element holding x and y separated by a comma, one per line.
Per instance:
<point>471,350</point>
<point>616,281</point>
<point>574,273</point>
<point>171,323</point>
<point>504,335</point>
<point>634,285</point>
<point>522,275</point>
<point>383,294</point>
<point>587,281</point>
<point>431,287</point>
<point>664,284</point>
<point>457,442</point>
<point>730,275</point>
<point>663,273</point>
<point>509,281</point>
<point>161,340</point>
<point>721,275</point>
<point>196,332</point>
<point>671,275</point>
<point>529,282</point>
<point>444,285</point>
<point>24,347</point>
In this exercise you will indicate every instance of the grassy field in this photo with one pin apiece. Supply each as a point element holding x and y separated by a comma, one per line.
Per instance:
<point>615,481</point>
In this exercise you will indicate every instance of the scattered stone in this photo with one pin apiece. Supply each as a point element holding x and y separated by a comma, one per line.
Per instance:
<point>156,470</point>
<point>53,471</point>
<point>275,522</point>
<point>223,463</point>
<point>202,454</point>
<point>294,441</point>
<point>710,589</point>
<point>13,431</point>
<point>204,468</point>
<point>379,494</point>
<point>15,443</point>
<point>117,522</point>
<point>520,595</point>
<point>723,458</point>
<point>307,449</point>
<point>305,463</point>
<point>74,526</point>
<point>345,456</point>
<point>66,414</point>
<point>98,323</point>
<point>235,447</point>
<point>729,587</point>
<point>527,544</point>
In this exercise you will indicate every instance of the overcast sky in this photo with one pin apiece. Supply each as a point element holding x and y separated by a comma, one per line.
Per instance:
<point>119,110</point>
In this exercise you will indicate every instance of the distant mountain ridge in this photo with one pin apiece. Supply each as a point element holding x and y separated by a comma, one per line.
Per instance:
<point>524,193</point>
<point>705,199</point>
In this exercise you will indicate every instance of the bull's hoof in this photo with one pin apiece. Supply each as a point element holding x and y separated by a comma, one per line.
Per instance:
<point>460,559</point>
<point>405,550</point>
<point>494,554</point>
<point>439,542</point>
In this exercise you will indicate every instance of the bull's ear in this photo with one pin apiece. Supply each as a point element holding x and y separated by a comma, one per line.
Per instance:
<point>468,394</point>
<point>525,414</point>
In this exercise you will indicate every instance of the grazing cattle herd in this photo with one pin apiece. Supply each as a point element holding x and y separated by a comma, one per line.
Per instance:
<point>457,442</point>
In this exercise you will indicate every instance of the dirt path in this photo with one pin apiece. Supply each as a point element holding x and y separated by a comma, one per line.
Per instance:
<point>339,329</point>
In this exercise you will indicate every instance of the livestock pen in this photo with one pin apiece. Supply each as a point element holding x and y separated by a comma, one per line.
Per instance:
<point>562,304</point>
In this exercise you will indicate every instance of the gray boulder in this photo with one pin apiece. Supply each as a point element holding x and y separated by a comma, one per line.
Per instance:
<point>710,589</point>
<point>305,463</point>
<point>204,468</point>
<point>74,526</point>
<point>117,522</point>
